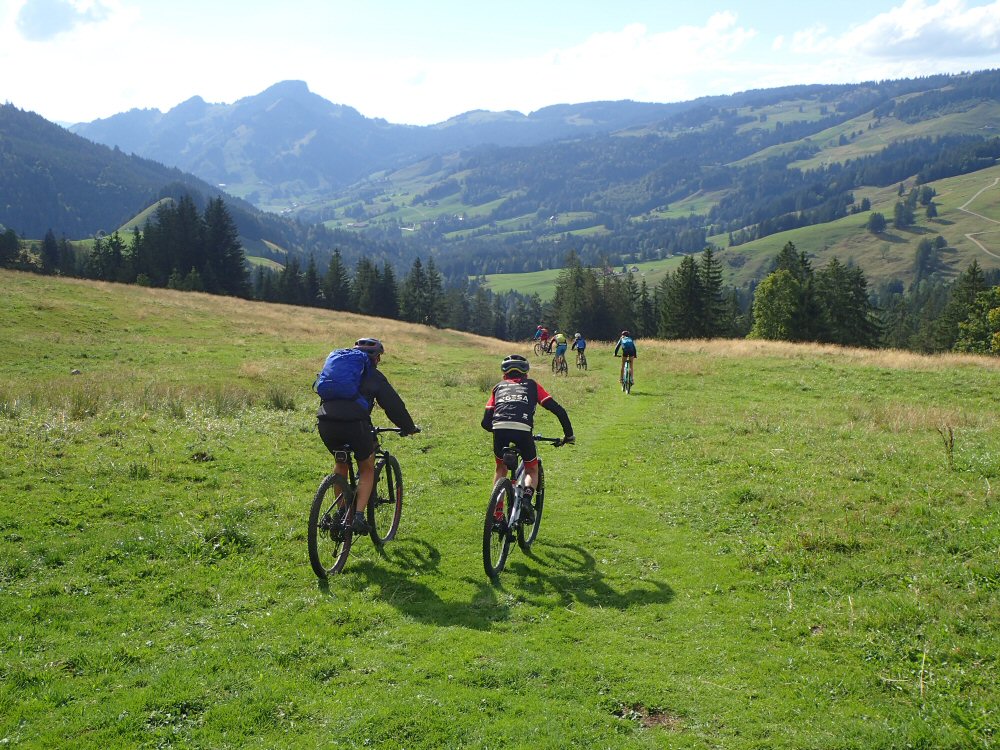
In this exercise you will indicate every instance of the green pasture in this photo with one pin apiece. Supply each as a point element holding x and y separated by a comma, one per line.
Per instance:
<point>543,283</point>
<point>764,546</point>
<point>892,253</point>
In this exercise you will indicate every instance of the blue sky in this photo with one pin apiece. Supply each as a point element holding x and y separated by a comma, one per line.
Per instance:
<point>419,63</point>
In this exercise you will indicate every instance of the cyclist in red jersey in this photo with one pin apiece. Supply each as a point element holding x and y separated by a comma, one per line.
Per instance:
<point>510,415</point>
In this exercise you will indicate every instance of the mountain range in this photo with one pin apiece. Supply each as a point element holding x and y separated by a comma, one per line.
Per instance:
<point>504,191</point>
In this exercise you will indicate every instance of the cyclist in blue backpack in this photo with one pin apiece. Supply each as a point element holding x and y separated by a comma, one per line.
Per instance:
<point>346,419</point>
<point>627,347</point>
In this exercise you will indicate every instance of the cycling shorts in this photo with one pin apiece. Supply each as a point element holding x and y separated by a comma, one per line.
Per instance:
<point>520,439</point>
<point>357,435</point>
<point>560,350</point>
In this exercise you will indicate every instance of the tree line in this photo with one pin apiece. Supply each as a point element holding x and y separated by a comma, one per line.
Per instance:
<point>794,302</point>
<point>179,248</point>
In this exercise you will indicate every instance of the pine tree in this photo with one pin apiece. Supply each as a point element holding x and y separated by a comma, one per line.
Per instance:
<point>434,295</point>
<point>10,249</point>
<point>224,259</point>
<point>713,304</point>
<point>336,284</point>
<point>366,287</point>
<point>682,310</point>
<point>50,253</point>
<point>961,300</point>
<point>311,292</point>
<point>388,293</point>
<point>413,294</point>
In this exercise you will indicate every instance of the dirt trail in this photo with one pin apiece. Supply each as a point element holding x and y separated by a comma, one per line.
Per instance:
<point>972,236</point>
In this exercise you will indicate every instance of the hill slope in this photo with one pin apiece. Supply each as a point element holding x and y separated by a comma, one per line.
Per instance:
<point>765,545</point>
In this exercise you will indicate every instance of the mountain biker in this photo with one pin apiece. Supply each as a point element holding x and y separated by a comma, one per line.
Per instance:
<point>347,422</point>
<point>627,347</point>
<point>542,335</point>
<point>510,415</point>
<point>560,342</point>
<point>579,343</point>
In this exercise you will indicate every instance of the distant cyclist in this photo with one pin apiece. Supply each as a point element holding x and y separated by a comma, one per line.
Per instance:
<point>627,347</point>
<point>542,335</point>
<point>579,345</point>
<point>510,416</point>
<point>560,342</point>
<point>347,421</point>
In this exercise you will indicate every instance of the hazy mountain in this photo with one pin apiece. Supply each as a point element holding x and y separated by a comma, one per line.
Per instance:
<point>287,142</point>
<point>53,179</point>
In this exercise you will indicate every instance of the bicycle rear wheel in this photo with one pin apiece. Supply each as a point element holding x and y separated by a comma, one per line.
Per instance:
<point>496,530</point>
<point>386,503</point>
<point>330,520</point>
<point>526,534</point>
<point>581,361</point>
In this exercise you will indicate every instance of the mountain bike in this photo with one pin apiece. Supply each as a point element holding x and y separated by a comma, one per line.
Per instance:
<point>539,348</point>
<point>559,366</point>
<point>581,360</point>
<point>331,518</point>
<point>627,377</point>
<point>504,512</point>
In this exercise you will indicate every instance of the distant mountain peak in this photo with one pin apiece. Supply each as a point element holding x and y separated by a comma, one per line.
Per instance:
<point>287,88</point>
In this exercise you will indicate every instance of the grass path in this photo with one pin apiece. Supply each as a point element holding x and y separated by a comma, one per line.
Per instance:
<point>764,545</point>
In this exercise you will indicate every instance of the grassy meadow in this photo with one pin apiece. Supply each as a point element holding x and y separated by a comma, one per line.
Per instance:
<point>764,546</point>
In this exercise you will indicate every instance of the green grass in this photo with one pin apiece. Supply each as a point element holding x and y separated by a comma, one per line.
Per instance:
<point>765,546</point>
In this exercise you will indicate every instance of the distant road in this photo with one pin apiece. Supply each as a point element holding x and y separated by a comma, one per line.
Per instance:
<point>971,236</point>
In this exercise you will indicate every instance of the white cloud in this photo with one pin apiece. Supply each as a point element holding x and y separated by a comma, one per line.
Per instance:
<point>916,30</point>
<point>42,20</point>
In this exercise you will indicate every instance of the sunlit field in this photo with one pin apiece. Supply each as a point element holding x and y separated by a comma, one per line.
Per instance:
<point>763,546</point>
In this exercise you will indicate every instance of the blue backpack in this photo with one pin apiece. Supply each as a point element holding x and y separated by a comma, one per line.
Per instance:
<point>342,375</point>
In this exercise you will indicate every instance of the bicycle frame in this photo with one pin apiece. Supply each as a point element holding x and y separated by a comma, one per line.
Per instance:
<point>332,520</point>
<point>500,530</point>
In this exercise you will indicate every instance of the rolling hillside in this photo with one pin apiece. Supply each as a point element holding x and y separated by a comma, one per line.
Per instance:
<point>968,219</point>
<point>765,545</point>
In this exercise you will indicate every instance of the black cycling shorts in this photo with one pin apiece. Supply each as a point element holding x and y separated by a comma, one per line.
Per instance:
<point>521,439</point>
<point>358,435</point>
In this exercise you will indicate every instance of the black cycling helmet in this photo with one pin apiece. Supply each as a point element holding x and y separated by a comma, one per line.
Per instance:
<point>372,347</point>
<point>515,363</point>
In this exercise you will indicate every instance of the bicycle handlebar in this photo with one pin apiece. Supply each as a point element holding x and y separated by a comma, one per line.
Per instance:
<point>556,442</point>
<point>380,430</point>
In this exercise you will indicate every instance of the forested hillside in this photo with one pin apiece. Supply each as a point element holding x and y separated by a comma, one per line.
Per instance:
<point>725,172</point>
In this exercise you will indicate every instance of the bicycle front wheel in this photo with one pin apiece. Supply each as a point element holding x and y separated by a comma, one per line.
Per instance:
<point>386,503</point>
<point>526,534</point>
<point>330,526</point>
<point>496,529</point>
<point>539,348</point>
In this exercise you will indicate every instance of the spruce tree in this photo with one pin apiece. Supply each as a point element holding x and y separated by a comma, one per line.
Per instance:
<point>224,258</point>
<point>365,288</point>
<point>961,300</point>
<point>336,284</point>
<point>388,297</point>
<point>712,302</point>
<point>682,310</point>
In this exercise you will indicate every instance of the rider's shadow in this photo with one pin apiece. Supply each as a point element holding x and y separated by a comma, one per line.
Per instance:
<point>566,570</point>
<point>571,572</point>
<point>400,574</point>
